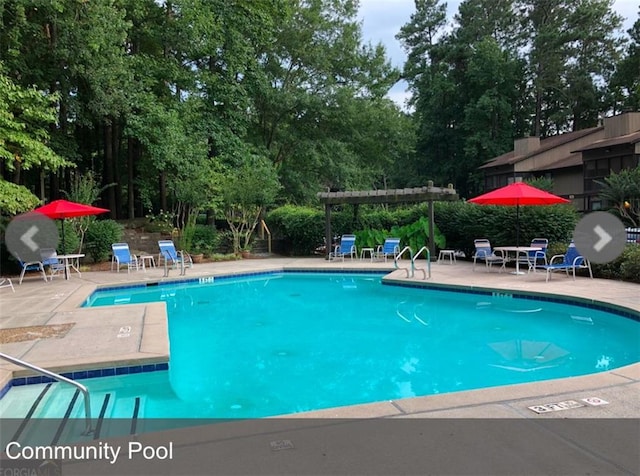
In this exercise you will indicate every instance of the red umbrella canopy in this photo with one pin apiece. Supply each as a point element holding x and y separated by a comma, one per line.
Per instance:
<point>518,193</point>
<point>65,209</point>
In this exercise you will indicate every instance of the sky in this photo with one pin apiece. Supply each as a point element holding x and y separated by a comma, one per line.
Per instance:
<point>382,20</point>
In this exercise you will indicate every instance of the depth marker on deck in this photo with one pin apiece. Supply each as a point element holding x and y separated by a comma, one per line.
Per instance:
<point>555,407</point>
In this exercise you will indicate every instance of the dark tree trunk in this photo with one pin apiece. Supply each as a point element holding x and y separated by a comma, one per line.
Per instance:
<point>54,185</point>
<point>538,119</point>
<point>108,170</point>
<point>116,167</point>
<point>163,190</point>
<point>131,146</point>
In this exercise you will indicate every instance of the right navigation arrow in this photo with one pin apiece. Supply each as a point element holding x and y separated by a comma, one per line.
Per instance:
<point>605,238</point>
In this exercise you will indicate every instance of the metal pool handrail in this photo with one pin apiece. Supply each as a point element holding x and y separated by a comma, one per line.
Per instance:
<point>399,255</point>
<point>55,376</point>
<point>413,263</point>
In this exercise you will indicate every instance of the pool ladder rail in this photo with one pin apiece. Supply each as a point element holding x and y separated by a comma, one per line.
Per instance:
<point>426,271</point>
<point>183,267</point>
<point>80,388</point>
<point>67,428</point>
<point>411,270</point>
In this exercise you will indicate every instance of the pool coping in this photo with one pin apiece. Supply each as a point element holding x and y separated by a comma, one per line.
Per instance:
<point>624,377</point>
<point>596,304</point>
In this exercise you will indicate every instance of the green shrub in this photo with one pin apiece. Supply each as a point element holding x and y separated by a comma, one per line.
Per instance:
<point>462,222</point>
<point>301,228</point>
<point>378,219</point>
<point>100,235</point>
<point>224,243</point>
<point>625,267</point>
<point>163,222</point>
<point>630,266</point>
<point>557,248</point>
<point>414,235</point>
<point>71,241</point>
<point>205,239</point>
<point>372,237</point>
<point>224,257</point>
<point>459,223</point>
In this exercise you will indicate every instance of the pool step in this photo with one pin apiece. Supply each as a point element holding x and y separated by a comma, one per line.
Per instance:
<point>55,415</point>
<point>32,410</point>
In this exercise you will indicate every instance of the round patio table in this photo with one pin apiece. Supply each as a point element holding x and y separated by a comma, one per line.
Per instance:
<point>517,250</point>
<point>71,261</point>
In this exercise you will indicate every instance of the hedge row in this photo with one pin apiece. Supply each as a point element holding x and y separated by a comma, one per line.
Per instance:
<point>462,222</point>
<point>302,228</point>
<point>625,267</point>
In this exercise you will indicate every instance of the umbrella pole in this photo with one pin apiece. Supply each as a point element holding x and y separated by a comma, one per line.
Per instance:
<point>518,224</point>
<point>64,251</point>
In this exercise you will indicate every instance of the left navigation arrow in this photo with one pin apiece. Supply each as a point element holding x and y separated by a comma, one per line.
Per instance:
<point>27,238</point>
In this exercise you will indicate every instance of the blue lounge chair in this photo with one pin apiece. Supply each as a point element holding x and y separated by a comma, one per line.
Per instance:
<point>485,253</point>
<point>31,266</point>
<point>534,258</point>
<point>391,247</point>
<point>170,255</point>
<point>347,247</point>
<point>49,258</point>
<point>571,260</point>
<point>123,257</point>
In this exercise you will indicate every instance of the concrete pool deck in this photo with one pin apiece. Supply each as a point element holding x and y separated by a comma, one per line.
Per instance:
<point>136,334</point>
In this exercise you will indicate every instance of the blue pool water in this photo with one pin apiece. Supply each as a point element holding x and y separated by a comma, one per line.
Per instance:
<point>281,343</point>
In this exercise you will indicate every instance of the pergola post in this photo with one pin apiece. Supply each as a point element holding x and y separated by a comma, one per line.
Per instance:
<point>432,234</point>
<point>327,229</point>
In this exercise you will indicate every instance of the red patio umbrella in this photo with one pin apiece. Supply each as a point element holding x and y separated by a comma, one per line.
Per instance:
<point>517,194</point>
<point>61,209</point>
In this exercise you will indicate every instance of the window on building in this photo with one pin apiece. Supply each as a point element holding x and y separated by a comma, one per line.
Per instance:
<point>602,167</point>
<point>615,164</point>
<point>629,162</point>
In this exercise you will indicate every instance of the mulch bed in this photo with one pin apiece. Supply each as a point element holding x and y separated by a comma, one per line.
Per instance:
<point>22,334</point>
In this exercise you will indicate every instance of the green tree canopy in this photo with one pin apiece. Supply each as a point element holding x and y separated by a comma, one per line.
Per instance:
<point>25,114</point>
<point>246,190</point>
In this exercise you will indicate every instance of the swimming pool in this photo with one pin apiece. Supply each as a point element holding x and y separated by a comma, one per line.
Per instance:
<point>280,343</point>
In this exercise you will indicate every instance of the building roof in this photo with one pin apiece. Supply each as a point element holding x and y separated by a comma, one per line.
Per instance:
<point>632,138</point>
<point>572,160</point>
<point>545,145</point>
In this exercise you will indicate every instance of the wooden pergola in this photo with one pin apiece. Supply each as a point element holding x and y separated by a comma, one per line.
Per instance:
<point>427,194</point>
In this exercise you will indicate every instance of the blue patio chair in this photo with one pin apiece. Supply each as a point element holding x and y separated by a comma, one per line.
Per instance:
<point>170,255</point>
<point>391,247</point>
<point>571,260</point>
<point>535,258</point>
<point>485,253</point>
<point>122,257</point>
<point>31,266</point>
<point>49,258</point>
<point>347,247</point>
